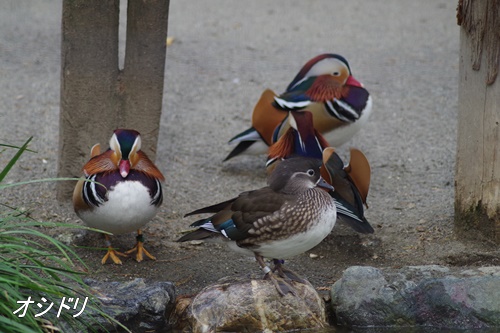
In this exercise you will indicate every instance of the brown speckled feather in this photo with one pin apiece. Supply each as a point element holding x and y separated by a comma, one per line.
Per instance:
<point>249,207</point>
<point>292,217</point>
<point>257,204</point>
<point>290,205</point>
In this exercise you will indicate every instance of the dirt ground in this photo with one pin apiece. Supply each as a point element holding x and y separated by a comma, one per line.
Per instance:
<point>405,53</point>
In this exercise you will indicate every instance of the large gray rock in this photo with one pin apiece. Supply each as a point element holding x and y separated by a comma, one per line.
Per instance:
<point>138,305</point>
<point>247,305</point>
<point>418,296</point>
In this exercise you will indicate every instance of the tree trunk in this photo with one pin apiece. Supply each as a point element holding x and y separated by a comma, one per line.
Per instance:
<point>477,178</point>
<point>96,96</point>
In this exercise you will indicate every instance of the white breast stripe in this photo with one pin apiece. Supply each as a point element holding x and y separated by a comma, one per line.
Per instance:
<point>291,105</point>
<point>94,192</point>
<point>85,192</point>
<point>348,108</point>
<point>335,112</point>
<point>157,198</point>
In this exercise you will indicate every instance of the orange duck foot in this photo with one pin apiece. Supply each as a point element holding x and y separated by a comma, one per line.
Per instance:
<point>139,247</point>
<point>113,254</point>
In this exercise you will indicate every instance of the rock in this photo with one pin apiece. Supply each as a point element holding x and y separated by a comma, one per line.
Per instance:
<point>418,296</point>
<point>249,305</point>
<point>139,306</point>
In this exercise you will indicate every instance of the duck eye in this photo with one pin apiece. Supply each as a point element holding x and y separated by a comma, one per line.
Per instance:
<point>310,172</point>
<point>336,73</point>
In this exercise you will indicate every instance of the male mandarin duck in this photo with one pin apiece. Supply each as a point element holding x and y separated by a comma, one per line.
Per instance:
<point>324,86</point>
<point>291,215</point>
<point>121,191</point>
<point>295,136</point>
<point>351,182</point>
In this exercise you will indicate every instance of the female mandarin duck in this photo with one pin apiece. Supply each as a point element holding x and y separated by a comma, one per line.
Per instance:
<point>351,182</point>
<point>324,86</point>
<point>121,191</point>
<point>288,217</point>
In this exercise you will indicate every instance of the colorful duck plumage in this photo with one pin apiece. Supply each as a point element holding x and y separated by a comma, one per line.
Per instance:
<point>324,86</point>
<point>121,191</point>
<point>351,182</point>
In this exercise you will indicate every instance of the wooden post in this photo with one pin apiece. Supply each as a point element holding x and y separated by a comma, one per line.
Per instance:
<point>477,178</point>
<point>96,96</point>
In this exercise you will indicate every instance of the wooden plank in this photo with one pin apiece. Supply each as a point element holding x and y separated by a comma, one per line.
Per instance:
<point>477,178</point>
<point>96,97</point>
<point>491,165</point>
<point>89,68</point>
<point>143,73</point>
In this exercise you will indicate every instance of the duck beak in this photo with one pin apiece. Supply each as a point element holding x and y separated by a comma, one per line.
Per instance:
<point>351,81</point>
<point>124,167</point>
<point>323,184</point>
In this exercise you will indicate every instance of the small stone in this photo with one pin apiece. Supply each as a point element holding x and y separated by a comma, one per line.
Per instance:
<point>420,228</point>
<point>313,255</point>
<point>170,40</point>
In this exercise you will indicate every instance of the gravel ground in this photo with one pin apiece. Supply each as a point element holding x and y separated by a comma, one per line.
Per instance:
<point>405,53</point>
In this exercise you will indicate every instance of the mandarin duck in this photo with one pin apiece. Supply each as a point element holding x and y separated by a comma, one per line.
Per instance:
<point>121,191</point>
<point>290,216</point>
<point>324,86</point>
<point>351,182</point>
<point>295,136</point>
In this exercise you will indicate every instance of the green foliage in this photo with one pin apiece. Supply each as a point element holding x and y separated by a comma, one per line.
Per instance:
<point>33,264</point>
<point>14,159</point>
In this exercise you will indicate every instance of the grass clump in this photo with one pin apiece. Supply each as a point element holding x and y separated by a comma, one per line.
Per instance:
<point>36,267</point>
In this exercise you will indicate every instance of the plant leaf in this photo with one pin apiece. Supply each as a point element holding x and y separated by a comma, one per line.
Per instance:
<point>14,159</point>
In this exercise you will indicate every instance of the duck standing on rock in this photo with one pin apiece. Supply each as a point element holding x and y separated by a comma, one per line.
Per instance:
<point>324,86</point>
<point>290,216</point>
<point>121,191</point>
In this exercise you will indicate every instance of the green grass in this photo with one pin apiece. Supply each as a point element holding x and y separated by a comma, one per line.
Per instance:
<point>33,264</point>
